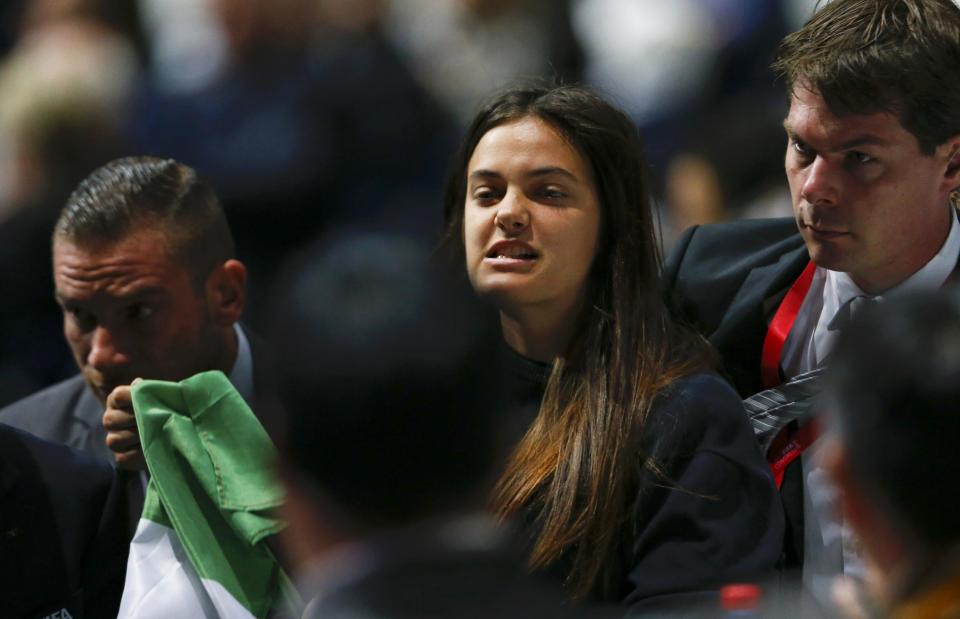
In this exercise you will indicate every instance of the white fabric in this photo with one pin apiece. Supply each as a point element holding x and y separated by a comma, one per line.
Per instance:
<point>162,584</point>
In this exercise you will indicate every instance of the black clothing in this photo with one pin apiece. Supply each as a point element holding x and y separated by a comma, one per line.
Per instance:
<point>728,280</point>
<point>445,569</point>
<point>717,520</point>
<point>63,531</point>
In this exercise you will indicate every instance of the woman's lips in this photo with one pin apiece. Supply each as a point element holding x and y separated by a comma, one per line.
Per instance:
<point>511,256</point>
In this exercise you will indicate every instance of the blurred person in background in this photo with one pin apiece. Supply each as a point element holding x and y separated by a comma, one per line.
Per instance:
<point>635,477</point>
<point>727,167</point>
<point>873,164</point>
<point>670,64</point>
<point>390,375</point>
<point>299,113</point>
<point>65,85</point>
<point>461,49</point>
<point>894,393</point>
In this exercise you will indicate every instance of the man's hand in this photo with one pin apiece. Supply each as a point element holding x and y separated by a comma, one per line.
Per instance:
<point>123,438</point>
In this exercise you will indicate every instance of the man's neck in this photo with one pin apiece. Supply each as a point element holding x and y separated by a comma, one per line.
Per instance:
<point>899,269</point>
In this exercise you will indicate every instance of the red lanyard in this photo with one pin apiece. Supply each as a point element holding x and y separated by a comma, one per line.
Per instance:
<point>780,327</point>
<point>780,456</point>
<point>784,451</point>
<point>788,447</point>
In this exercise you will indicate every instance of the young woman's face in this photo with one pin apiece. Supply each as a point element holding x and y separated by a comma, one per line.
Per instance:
<point>531,217</point>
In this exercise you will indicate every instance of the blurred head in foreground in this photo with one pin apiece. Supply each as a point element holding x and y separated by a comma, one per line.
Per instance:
<point>895,394</point>
<point>388,374</point>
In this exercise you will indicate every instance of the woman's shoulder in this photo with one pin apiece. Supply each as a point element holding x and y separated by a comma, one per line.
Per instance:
<point>699,411</point>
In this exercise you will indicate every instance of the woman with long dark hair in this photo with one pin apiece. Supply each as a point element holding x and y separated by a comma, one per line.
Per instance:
<point>635,473</point>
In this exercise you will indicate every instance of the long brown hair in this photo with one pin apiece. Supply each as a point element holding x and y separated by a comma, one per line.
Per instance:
<point>578,465</point>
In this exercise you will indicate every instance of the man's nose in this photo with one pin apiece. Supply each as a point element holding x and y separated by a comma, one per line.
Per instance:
<point>513,214</point>
<point>105,351</point>
<point>820,183</point>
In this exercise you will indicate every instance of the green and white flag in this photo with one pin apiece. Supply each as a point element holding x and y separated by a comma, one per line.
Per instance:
<point>199,548</point>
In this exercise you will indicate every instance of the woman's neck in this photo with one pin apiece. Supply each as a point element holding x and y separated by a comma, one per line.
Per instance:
<point>537,334</point>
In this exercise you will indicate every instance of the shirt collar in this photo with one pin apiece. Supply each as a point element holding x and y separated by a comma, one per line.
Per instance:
<point>241,375</point>
<point>930,276</point>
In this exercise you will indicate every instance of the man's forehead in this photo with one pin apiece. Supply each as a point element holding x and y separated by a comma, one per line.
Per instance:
<point>143,247</point>
<point>131,266</point>
<point>809,116</point>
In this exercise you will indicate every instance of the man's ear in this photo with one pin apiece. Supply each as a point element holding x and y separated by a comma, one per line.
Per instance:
<point>226,292</point>
<point>952,175</point>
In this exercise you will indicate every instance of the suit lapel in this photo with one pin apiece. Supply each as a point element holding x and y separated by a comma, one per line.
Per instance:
<point>741,332</point>
<point>90,437</point>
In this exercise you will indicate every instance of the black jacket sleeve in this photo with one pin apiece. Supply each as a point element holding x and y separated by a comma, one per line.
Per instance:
<point>712,514</point>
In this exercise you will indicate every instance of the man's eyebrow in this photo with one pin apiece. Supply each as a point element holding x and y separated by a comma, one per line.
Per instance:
<point>864,140</point>
<point>867,139</point>
<point>134,295</point>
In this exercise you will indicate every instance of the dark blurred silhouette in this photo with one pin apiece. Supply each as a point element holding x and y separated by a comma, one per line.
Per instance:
<point>63,533</point>
<point>309,119</point>
<point>894,392</point>
<point>389,371</point>
<point>65,85</point>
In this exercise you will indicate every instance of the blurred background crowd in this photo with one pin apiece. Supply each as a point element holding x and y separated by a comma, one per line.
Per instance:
<point>305,114</point>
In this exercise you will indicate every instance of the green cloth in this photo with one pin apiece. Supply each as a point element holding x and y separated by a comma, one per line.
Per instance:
<point>213,481</point>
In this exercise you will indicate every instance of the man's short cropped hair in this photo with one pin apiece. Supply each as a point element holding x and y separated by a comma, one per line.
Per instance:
<point>895,394</point>
<point>869,56</point>
<point>131,194</point>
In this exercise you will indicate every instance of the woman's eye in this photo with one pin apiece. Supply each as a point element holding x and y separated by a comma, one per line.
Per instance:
<point>484,195</point>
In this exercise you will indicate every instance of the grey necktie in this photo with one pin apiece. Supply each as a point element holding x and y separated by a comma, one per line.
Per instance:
<point>849,311</point>
<point>772,409</point>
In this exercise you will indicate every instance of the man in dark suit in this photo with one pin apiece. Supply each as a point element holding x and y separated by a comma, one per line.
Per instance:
<point>873,156</point>
<point>389,376</point>
<point>63,537</point>
<point>145,273</point>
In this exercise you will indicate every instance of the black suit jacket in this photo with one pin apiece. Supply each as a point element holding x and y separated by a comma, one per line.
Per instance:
<point>727,280</point>
<point>63,530</point>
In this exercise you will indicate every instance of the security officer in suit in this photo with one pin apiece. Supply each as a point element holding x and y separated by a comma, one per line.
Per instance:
<point>145,274</point>
<point>873,161</point>
<point>63,536</point>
